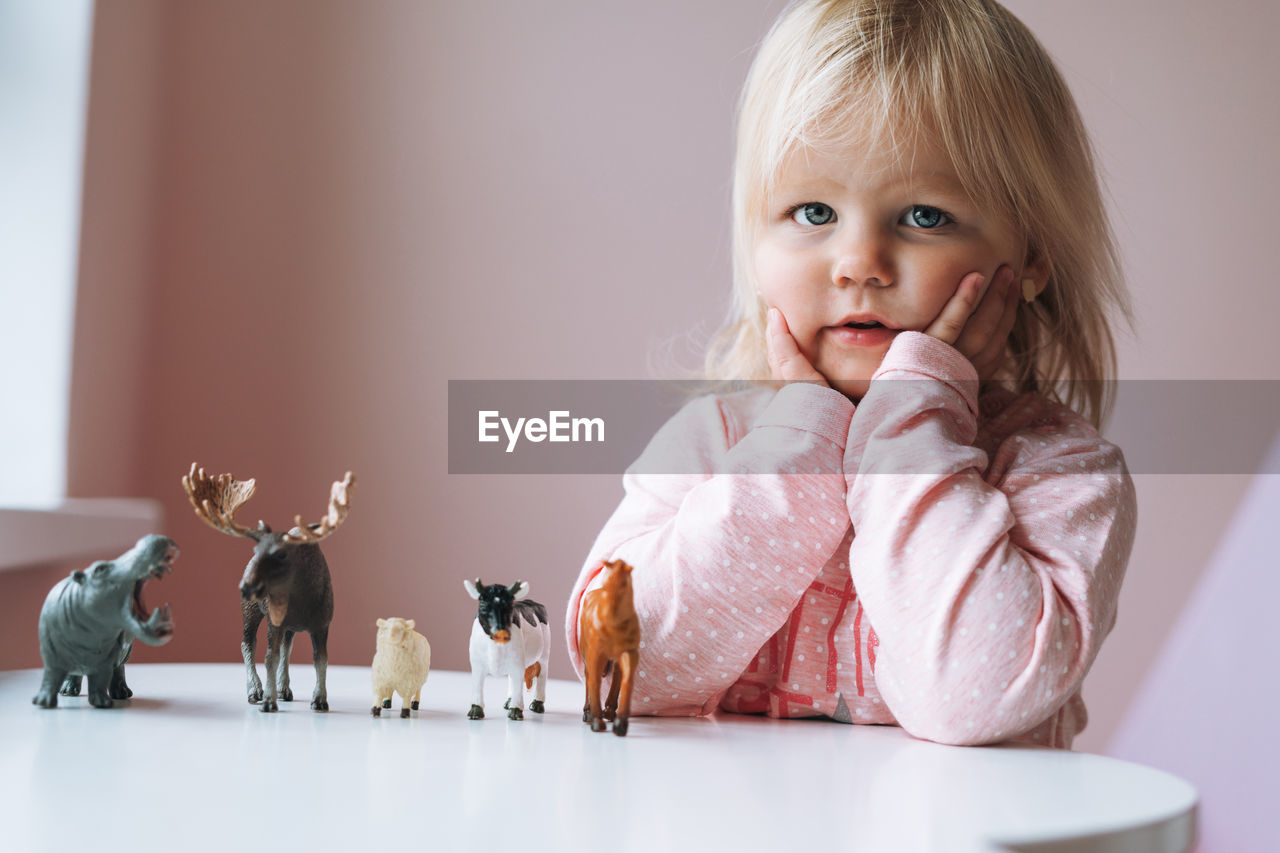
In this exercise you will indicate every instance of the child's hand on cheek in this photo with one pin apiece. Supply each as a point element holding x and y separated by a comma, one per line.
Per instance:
<point>978,318</point>
<point>786,361</point>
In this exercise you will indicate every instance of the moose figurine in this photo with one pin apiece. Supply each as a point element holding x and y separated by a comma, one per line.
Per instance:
<point>609,639</point>
<point>286,580</point>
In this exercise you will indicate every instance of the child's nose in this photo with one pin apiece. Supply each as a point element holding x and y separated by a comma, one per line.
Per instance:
<point>862,257</point>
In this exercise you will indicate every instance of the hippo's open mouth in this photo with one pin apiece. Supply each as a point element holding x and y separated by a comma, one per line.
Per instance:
<point>161,620</point>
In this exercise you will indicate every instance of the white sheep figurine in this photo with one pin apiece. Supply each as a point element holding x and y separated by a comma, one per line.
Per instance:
<point>400,665</point>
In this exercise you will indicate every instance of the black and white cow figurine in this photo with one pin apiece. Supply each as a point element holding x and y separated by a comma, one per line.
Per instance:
<point>511,637</point>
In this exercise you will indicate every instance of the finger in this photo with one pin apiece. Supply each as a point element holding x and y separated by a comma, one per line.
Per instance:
<point>989,361</point>
<point>984,323</point>
<point>783,349</point>
<point>950,321</point>
<point>786,361</point>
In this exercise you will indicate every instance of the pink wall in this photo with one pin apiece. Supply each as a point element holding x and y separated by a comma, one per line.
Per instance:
<point>302,218</point>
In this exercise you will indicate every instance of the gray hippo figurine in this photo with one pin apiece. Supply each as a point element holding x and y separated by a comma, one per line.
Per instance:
<point>90,619</point>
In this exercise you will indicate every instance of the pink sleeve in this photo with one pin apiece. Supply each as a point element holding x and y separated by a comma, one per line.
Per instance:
<point>724,546</point>
<point>990,583</point>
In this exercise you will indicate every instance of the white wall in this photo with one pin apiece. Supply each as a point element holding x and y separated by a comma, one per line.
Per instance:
<point>44,62</point>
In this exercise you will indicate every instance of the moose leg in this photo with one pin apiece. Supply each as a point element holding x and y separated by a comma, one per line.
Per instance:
<point>252,618</point>
<point>320,652</point>
<point>275,637</point>
<point>282,678</point>
<point>71,686</point>
<point>624,672</point>
<point>47,697</point>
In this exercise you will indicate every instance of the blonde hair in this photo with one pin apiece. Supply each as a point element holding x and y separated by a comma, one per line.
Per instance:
<point>971,72</point>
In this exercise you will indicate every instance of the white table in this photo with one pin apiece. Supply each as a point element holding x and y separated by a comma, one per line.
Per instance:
<point>188,764</point>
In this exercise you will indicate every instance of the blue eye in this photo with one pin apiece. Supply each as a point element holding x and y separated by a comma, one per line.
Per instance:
<point>813,213</point>
<point>924,216</point>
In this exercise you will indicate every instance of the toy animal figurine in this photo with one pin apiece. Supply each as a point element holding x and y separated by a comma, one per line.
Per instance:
<point>90,619</point>
<point>510,637</point>
<point>609,639</point>
<point>286,580</point>
<point>400,665</point>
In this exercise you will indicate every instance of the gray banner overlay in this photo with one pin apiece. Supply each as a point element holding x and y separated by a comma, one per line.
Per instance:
<point>603,426</point>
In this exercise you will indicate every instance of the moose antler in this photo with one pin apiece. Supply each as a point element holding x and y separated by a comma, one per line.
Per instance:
<point>339,503</point>
<point>216,500</point>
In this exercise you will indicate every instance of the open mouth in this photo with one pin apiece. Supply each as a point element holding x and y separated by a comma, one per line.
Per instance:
<point>160,620</point>
<point>863,333</point>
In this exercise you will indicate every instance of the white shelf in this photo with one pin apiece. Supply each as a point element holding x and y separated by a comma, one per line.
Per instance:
<point>75,529</point>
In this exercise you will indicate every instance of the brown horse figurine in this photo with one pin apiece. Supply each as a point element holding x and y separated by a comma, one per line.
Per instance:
<point>609,639</point>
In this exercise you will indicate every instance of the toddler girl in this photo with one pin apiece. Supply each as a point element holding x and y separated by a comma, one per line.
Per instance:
<point>915,521</point>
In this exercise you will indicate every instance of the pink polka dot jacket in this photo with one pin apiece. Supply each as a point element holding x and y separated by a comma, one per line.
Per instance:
<point>924,559</point>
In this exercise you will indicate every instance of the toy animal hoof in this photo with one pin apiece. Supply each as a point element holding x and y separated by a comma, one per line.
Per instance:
<point>45,700</point>
<point>269,705</point>
<point>286,695</point>
<point>255,696</point>
<point>476,713</point>
<point>319,705</point>
<point>376,710</point>
<point>515,714</point>
<point>537,707</point>
<point>120,691</point>
<point>506,706</point>
<point>609,714</point>
<point>386,703</point>
<point>404,712</point>
<point>100,701</point>
<point>598,725</point>
<point>620,728</point>
<point>71,687</point>
<point>414,706</point>
<point>586,715</point>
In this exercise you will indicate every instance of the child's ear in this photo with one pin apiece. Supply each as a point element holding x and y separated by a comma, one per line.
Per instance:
<point>1035,275</point>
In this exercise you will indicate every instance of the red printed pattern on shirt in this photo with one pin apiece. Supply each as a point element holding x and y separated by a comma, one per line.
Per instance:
<point>798,672</point>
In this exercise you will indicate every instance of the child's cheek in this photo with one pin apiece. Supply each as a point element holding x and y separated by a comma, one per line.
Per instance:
<point>771,271</point>
<point>936,283</point>
<point>785,282</point>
